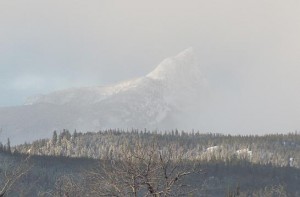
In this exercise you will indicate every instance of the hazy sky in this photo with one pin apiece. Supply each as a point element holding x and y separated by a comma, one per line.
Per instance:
<point>249,49</point>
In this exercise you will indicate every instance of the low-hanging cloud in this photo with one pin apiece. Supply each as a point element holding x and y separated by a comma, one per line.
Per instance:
<point>249,50</point>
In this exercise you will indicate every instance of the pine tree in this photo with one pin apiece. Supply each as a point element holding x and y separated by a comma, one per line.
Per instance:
<point>8,149</point>
<point>54,138</point>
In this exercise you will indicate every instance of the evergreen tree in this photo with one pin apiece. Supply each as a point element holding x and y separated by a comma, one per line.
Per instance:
<point>8,148</point>
<point>75,134</point>
<point>54,138</point>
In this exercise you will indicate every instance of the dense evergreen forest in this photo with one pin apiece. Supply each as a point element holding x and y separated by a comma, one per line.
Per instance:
<point>144,163</point>
<point>277,150</point>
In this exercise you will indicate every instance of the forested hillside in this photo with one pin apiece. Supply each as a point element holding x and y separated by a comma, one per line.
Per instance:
<point>143,163</point>
<point>277,149</point>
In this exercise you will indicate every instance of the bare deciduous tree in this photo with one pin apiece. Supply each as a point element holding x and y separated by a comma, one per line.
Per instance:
<point>65,186</point>
<point>142,170</point>
<point>12,174</point>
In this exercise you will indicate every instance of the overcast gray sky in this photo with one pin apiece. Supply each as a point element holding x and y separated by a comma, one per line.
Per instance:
<point>250,49</point>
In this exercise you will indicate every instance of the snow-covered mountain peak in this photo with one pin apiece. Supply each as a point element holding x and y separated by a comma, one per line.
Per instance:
<point>183,65</point>
<point>152,101</point>
<point>187,53</point>
<point>174,74</point>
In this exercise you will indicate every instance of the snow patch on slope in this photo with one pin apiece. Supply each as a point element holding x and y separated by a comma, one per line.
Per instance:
<point>84,95</point>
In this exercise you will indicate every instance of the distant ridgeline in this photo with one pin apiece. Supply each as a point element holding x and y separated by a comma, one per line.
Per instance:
<point>277,149</point>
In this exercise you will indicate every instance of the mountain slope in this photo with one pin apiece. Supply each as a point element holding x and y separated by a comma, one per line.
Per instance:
<point>156,101</point>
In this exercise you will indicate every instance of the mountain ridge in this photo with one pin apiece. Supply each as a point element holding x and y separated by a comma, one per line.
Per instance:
<point>153,101</point>
<point>167,71</point>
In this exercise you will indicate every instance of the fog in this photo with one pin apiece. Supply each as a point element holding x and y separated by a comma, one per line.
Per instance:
<point>249,51</point>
